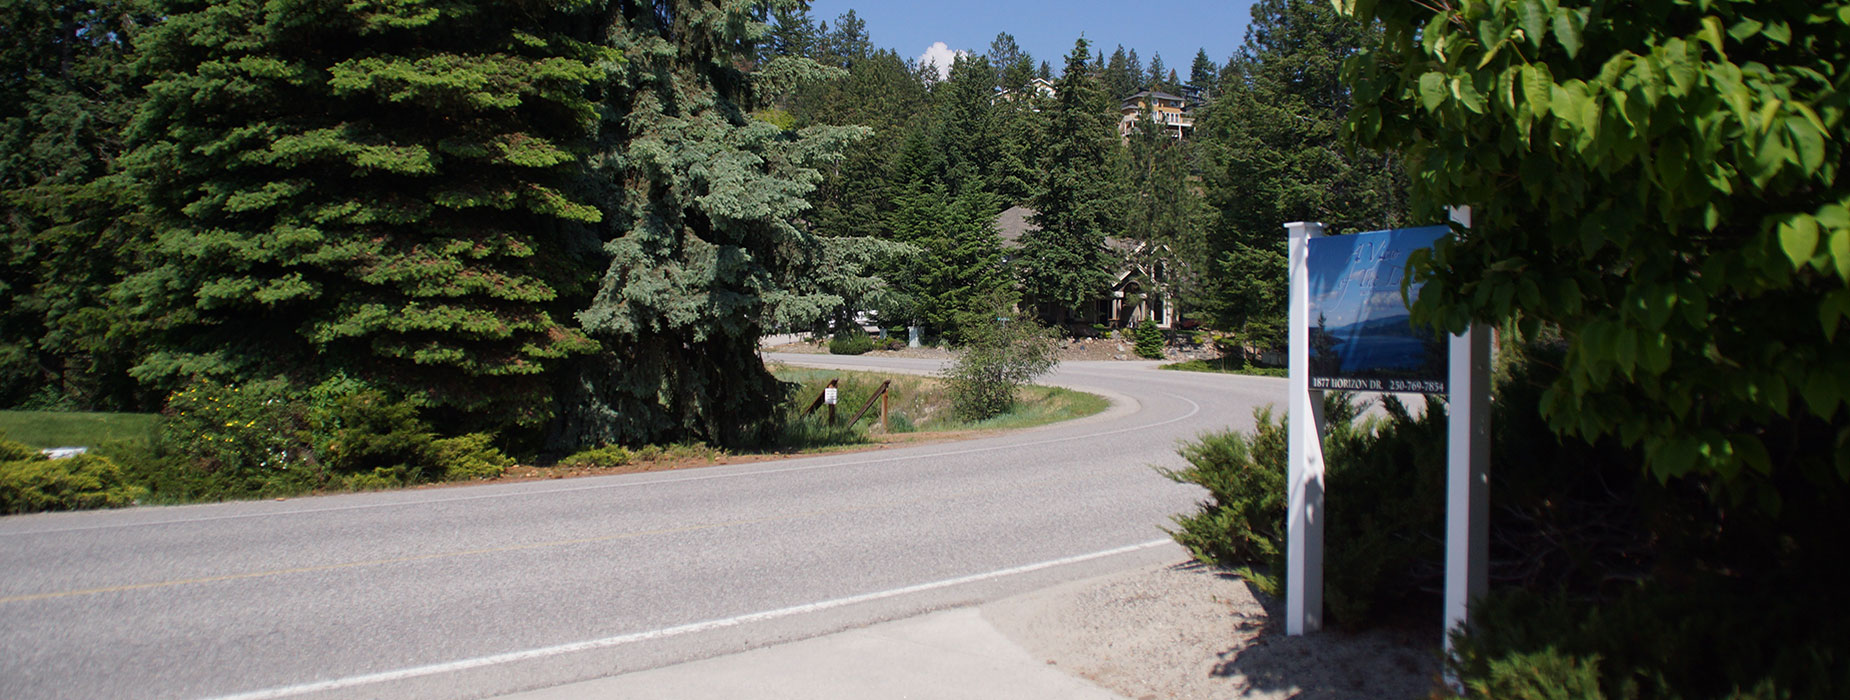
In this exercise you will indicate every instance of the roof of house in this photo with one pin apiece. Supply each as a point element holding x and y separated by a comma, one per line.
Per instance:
<point>1016,221</point>
<point>1012,223</point>
<point>1158,95</point>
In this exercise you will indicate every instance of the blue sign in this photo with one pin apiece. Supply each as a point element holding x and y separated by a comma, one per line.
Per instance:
<point>1361,337</point>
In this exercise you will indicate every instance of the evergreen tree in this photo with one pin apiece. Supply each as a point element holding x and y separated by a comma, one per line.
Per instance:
<point>1135,79</point>
<point>1204,74</point>
<point>1165,210</point>
<point>384,192</point>
<point>702,238</point>
<point>961,128</point>
<point>855,202</point>
<point>959,268</point>
<point>856,196</point>
<point>66,225</point>
<point>1065,263</point>
<point>848,43</point>
<point>1116,77</point>
<point>1003,53</point>
<point>1156,78</point>
<point>1045,72</point>
<point>1272,156</point>
<point>793,33</point>
<point>1014,67</point>
<point>1018,128</point>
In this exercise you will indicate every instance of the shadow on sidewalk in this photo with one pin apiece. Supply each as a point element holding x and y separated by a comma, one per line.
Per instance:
<point>1400,659</point>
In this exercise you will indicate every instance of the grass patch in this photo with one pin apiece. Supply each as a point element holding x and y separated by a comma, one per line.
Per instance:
<point>1228,365</point>
<point>41,429</point>
<point>1040,405</point>
<point>917,403</point>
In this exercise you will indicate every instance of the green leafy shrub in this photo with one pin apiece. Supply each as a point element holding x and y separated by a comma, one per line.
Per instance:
<point>1710,637</point>
<point>1149,340</point>
<point>1228,365</point>
<point>250,440</point>
<point>379,479</point>
<point>369,433</point>
<point>1660,179</point>
<point>999,358</point>
<point>1382,518</point>
<point>1548,674</point>
<point>1240,522</point>
<point>1565,517</point>
<point>851,344</point>
<point>13,451</point>
<point>606,456</point>
<point>467,457</point>
<point>216,441</point>
<point>34,483</point>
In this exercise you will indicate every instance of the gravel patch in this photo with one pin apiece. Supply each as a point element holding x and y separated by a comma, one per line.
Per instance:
<point>1187,631</point>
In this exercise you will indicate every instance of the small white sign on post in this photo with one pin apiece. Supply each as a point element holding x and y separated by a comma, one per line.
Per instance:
<point>829,396</point>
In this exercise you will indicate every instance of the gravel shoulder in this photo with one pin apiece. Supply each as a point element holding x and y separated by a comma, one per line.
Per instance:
<point>1188,631</point>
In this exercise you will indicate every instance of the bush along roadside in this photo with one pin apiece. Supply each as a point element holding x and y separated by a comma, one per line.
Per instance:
<point>265,439</point>
<point>1149,340</point>
<point>852,343</point>
<point>997,360</point>
<point>1607,583</point>
<point>1374,557</point>
<point>29,482</point>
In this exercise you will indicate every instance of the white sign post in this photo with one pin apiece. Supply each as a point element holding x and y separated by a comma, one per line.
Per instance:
<point>1467,473</point>
<point>1304,480</point>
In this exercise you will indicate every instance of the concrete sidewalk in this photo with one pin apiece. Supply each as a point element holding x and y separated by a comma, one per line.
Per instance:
<point>949,655</point>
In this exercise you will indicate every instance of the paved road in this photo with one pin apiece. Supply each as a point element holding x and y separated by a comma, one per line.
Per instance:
<point>482,590</point>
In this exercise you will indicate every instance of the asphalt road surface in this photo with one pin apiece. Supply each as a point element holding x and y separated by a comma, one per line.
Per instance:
<point>483,590</point>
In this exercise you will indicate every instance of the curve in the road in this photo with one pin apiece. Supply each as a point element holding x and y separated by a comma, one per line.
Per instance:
<point>471,591</point>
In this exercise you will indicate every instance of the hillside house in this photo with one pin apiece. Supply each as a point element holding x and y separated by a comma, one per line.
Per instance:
<point>1039,90</point>
<point>1173,112</point>
<point>1138,291</point>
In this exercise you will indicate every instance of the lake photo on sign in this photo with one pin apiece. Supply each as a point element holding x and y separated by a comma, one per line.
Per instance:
<point>1363,338</point>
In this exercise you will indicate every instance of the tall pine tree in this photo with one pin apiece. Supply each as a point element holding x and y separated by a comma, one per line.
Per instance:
<point>383,192</point>
<point>1273,156</point>
<point>1164,209</point>
<point>66,207</point>
<point>1065,264</point>
<point>1204,74</point>
<point>701,240</point>
<point>1157,78</point>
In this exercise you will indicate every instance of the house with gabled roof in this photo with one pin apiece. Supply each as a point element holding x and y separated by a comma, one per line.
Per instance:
<point>1139,289</point>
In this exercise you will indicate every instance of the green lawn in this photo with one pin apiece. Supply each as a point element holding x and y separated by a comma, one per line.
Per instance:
<point>74,429</point>
<point>923,404</point>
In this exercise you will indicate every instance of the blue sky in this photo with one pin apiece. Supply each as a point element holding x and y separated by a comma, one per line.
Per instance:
<point>1047,29</point>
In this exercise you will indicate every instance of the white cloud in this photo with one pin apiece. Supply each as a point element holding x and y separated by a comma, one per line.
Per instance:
<point>940,55</point>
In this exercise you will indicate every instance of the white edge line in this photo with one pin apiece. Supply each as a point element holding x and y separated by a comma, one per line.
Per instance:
<point>1194,408</point>
<point>666,632</point>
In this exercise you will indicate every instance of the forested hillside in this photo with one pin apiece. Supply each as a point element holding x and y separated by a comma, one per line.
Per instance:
<point>574,220</point>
